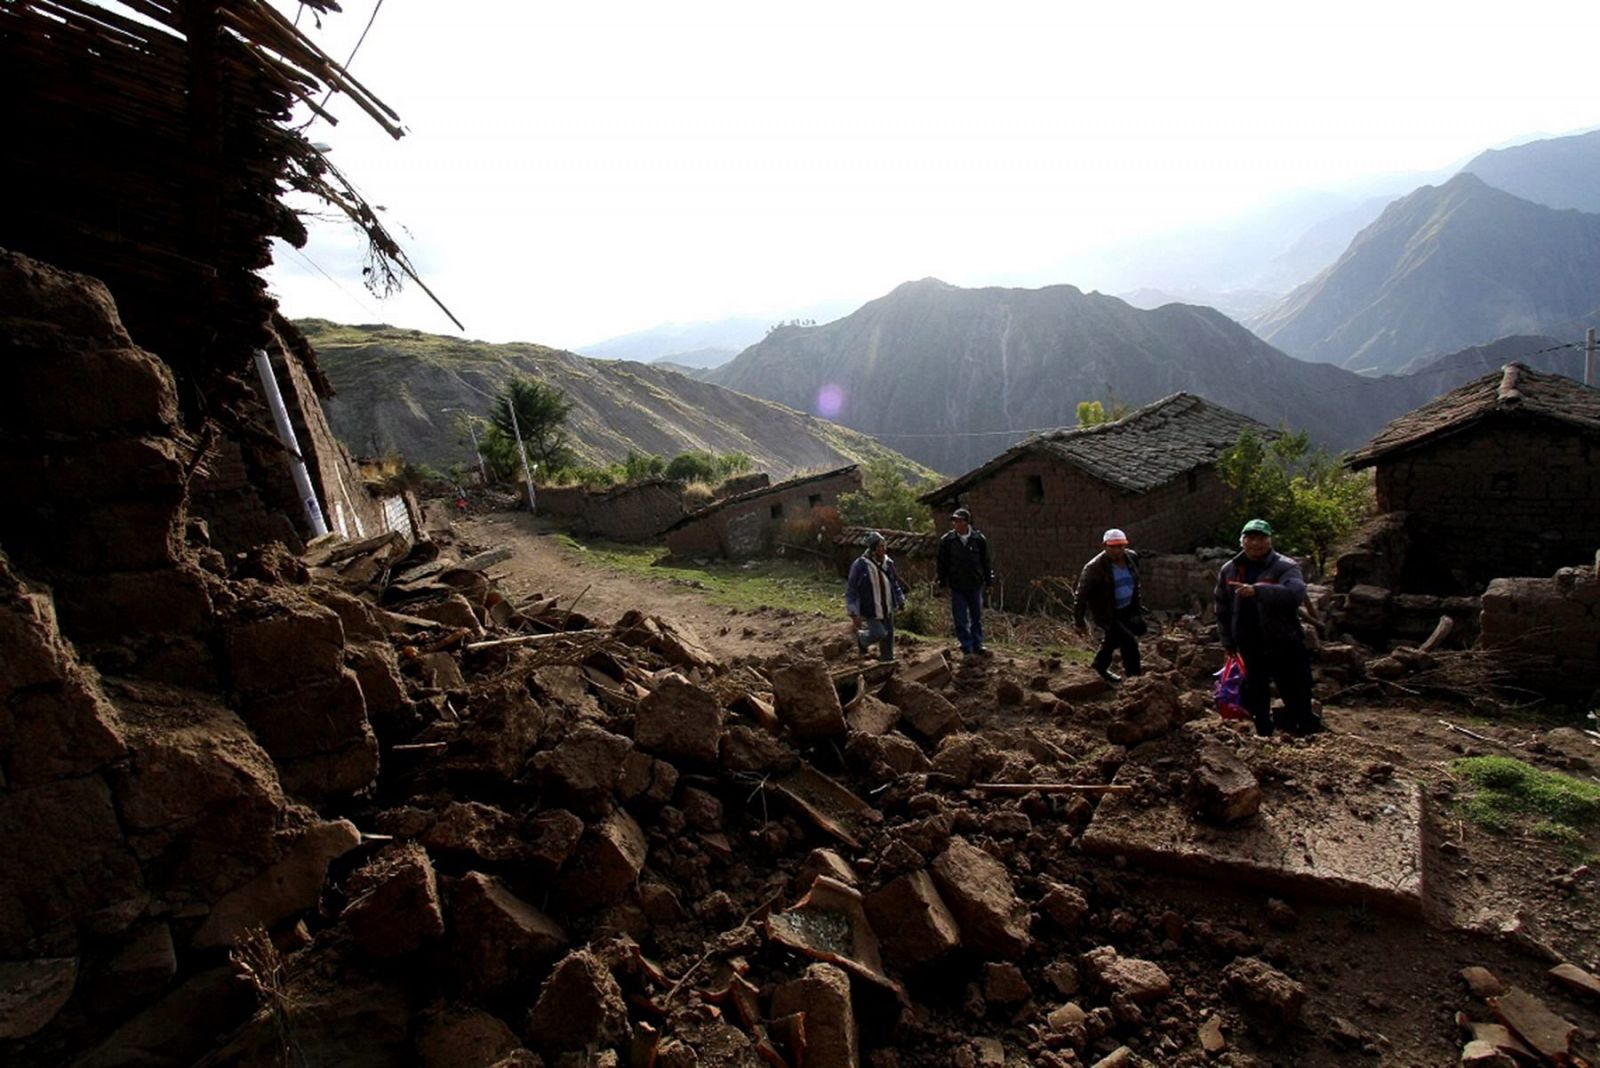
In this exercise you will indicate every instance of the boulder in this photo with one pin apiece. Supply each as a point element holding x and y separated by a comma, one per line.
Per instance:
<point>806,701</point>
<point>394,903</point>
<point>1222,787</point>
<point>497,936</point>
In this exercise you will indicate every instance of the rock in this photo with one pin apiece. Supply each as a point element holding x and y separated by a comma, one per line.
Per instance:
<point>1084,687</point>
<point>749,750</point>
<point>806,701</point>
<point>979,892</point>
<point>913,921</point>
<point>683,721</point>
<point>1481,982</point>
<point>394,903</point>
<point>1211,1038</point>
<point>825,862</point>
<point>1140,981</point>
<point>1068,1016</point>
<point>823,995</point>
<point>1271,998</point>
<point>1121,1057</point>
<point>926,712</point>
<point>551,835</point>
<point>32,992</point>
<point>868,715</point>
<point>1547,1033</point>
<point>470,832</point>
<point>1481,1054</point>
<point>1575,978</point>
<point>454,611</point>
<point>1066,905</point>
<point>1147,707</point>
<point>644,778</point>
<point>1222,788</point>
<point>608,864</point>
<point>990,1052</point>
<point>462,1037</point>
<point>580,1005</point>
<point>701,809</point>
<point>1004,984</point>
<point>1009,692</point>
<point>1063,976</point>
<point>291,885</point>
<point>497,936</point>
<point>585,766</point>
<point>346,1019</point>
<point>441,672</point>
<point>902,755</point>
<point>1280,916</point>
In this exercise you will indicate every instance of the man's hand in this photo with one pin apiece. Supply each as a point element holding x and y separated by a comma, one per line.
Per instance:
<point>855,621</point>
<point>1246,590</point>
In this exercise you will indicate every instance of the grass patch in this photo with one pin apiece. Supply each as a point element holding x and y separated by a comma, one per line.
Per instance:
<point>1509,795</point>
<point>799,587</point>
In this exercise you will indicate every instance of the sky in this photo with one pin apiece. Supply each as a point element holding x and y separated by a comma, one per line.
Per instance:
<point>576,171</point>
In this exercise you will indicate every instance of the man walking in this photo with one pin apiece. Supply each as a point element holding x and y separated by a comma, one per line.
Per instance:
<point>965,569</point>
<point>873,592</point>
<point>1108,591</point>
<point>1258,595</point>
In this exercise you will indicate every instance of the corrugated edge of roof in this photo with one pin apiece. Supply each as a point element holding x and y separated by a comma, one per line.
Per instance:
<point>1513,388</point>
<point>1044,440</point>
<point>750,495</point>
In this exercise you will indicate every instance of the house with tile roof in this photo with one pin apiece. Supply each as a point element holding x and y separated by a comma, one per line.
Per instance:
<point>751,523</point>
<point>1045,502</point>
<point>1499,477</point>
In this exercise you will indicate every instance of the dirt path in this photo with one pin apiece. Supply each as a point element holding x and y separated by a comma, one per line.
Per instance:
<point>543,563</point>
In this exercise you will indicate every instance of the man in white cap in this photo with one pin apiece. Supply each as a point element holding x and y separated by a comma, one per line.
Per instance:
<point>1108,590</point>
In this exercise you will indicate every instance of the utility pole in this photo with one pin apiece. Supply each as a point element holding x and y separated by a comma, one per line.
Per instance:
<point>1589,350</point>
<point>522,453</point>
<point>483,472</point>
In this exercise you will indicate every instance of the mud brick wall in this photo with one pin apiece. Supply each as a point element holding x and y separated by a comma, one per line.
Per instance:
<point>1180,582</point>
<point>1055,532</point>
<point>627,513</point>
<point>1502,500</point>
<point>1546,630</point>
<point>747,527</point>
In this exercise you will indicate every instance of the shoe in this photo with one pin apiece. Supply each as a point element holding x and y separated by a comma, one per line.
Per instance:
<point>1110,676</point>
<point>981,651</point>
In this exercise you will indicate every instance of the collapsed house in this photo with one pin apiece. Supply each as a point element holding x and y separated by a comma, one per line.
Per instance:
<point>1044,503</point>
<point>751,523</point>
<point>637,511</point>
<point>1499,477</point>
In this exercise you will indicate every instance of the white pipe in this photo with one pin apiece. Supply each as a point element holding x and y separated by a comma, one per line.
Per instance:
<point>297,465</point>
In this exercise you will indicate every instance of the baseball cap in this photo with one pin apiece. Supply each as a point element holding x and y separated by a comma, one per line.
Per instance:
<point>1115,537</point>
<point>1257,526</point>
<point>961,513</point>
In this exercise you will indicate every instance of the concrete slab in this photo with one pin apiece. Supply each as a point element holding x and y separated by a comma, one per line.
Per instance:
<point>1326,829</point>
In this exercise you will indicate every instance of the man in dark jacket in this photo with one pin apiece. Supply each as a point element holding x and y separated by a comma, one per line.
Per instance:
<point>1259,593</point>
<point>965,569</point>
<point>872,594</point>
<point>1108,591</point>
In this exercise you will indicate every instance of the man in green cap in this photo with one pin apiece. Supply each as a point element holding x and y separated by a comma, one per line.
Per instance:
<point>1259,593</point>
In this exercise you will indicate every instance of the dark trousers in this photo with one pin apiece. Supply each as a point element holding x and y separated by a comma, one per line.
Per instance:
<point>1117,638</point>
<point>966,611</point>
<point>1290,668</point>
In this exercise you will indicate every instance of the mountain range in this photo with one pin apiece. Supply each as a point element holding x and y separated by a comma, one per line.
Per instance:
<point>1441,269</point>
<point>403,391</point>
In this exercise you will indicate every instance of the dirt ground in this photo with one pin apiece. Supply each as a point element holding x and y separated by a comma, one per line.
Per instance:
<point>1384,988</point>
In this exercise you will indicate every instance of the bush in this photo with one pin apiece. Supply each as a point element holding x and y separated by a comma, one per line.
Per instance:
<point>885,502</point>
<point>1311,499</point>
<point>924,611</point>
<point>698,465</point>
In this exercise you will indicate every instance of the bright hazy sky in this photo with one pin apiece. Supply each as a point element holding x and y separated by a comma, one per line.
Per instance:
<point>577,170</point>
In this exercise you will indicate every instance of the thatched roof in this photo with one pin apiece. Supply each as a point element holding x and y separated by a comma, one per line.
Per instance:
<point>1515,391</point>
<point>1146,448</point>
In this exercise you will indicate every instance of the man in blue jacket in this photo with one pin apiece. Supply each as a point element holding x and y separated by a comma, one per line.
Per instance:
<point>1259,593</point>
<point>965,570</point>
<point>872,594</point>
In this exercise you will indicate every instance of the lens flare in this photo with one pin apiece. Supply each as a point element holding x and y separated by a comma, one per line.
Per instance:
<point>830,401</point>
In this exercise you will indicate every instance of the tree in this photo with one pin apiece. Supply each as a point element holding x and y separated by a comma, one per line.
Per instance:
<point>637,465</point>
<point>885,500</point>
<point>1311,499</point>
<point>541,419</point>
<point>1093,413</point>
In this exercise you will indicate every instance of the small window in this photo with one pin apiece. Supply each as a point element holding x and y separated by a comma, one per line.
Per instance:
<point>777,511</point>
<point>1035,489</point>
<point>1194,481</point>
<point>815,500</point>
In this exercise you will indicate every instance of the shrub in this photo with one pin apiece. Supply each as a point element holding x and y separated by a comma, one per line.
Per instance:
<point>886,501</point>
<point>1311,499</point>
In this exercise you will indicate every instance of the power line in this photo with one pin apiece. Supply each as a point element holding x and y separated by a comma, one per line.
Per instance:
<point>351,58</point>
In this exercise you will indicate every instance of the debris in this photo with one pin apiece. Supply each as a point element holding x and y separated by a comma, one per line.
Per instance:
<point>579,1006</point>
<point>830,924</point>
<point>806,701</point>
<point>1481,982</point>
<point>679,719</point>
<point>916,926</point>
<point>1575,978</point>
<point>1271,998</point>
<point>1532,1021</point>
<point>32,992</point>
<point>1211,1038</point>
<point>1051,788</point>
<point>394,905</point>
<point>821,997</point>
<point>497,936</point>
<point>980,894</point>
<point>824,802</point>
<point>1223,789</point>
<point>1140,981</point>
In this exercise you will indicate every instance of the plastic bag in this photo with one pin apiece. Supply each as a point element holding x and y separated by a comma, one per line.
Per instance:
<point>1230,688</point>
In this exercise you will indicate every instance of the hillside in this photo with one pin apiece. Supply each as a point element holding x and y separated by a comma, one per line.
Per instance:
<point>1558,172</point>
<point>953,376</point>
<point>1442,269</point>
<point>395,388</point>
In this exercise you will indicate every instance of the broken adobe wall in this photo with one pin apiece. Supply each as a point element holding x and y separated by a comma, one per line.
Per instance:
<point>749,527</point>
<point>1493,501</point>
<point>1046,518</point>
<point>1181,582</point>
<point>1547,630</point>
<point>631,513</point>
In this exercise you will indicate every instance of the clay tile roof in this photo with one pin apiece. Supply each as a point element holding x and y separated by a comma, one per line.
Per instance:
<point>1515,391</point>
<point>1146,448</point>
<point>901,542</point>
<point>762,491</point>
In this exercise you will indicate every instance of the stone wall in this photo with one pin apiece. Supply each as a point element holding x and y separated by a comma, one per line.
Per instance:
<point>1181,582</point>
<point>1045,518</point>
<point>749,526</point>
<point>627,513</point>
<point>1496,501</point>
<point>1546,630</point>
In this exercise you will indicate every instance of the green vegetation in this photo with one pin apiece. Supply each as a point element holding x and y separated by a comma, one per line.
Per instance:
<point>1311,499</point>
<point>799,586</point>
<point>536,411</point>
<point>1509,795</point>
<point>1093,413</point>
<point>886,501</point>
<point>702,466</point>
